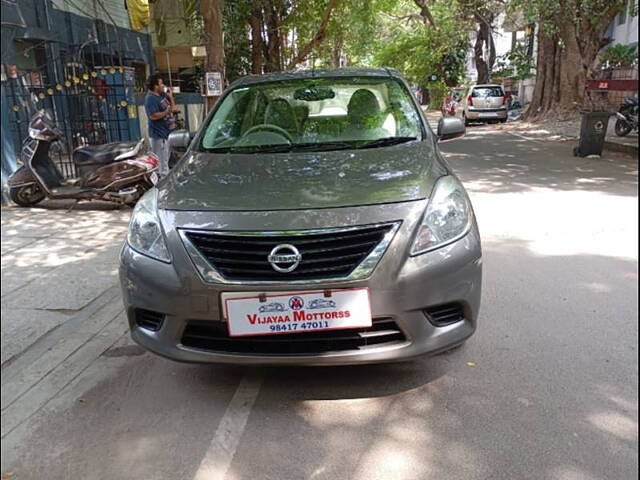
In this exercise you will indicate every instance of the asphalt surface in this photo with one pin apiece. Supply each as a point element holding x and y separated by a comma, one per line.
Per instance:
<point>546,389</point>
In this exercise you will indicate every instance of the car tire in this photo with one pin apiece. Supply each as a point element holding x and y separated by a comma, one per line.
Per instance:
<point>466,120</point>
<point>503,120</point>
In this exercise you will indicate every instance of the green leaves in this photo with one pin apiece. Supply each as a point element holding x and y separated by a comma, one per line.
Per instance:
<point>516,64</point>
<point>406,43</point>
<point>619,56</point>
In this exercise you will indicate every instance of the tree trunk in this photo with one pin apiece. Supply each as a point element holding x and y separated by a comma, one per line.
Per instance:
<point>565,61</point>
<point>563,69</point>
<point>257,42</point>
<point>478,54</point>
<point>274,39</point>
<point>211,11</point>
<point>336,52</point>
<point>484,45</point>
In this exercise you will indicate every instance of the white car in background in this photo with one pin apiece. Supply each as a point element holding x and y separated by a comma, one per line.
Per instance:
<point>485,103</point>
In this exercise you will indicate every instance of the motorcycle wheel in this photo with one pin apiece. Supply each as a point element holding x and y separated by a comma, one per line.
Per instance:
<point>622,128</point>
<point>26,195</point>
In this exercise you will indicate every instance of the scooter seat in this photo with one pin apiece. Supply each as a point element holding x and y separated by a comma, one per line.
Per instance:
<point>101,154</point>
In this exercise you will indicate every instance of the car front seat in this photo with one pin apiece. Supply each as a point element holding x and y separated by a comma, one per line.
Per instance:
<point>280,113</point>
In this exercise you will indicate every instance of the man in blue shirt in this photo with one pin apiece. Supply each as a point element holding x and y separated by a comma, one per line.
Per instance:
<point>159,104</point>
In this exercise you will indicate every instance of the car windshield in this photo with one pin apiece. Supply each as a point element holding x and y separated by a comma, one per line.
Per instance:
<point>484,92</point>
<point>314,115</point>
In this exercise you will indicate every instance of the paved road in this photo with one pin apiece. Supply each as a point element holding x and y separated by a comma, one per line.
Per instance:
<point>547,388</point>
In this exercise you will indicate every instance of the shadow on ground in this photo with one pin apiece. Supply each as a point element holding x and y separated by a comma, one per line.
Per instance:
<point>550,393</point>
<point>507,163</point>
<point>548,397</point>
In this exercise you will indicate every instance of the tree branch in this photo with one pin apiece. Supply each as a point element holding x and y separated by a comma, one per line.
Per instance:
<point>426,13</point>
<point>406,18</point>
<point>317,38</point>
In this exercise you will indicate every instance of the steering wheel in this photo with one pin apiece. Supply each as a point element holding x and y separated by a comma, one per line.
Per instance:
<point>269,127</point>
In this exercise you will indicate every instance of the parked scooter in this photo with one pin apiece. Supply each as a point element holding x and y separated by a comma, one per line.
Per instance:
<point>116,172</point>
<point>627,117</point>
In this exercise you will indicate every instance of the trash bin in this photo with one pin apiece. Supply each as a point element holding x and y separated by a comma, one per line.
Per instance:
<point>593,130</point>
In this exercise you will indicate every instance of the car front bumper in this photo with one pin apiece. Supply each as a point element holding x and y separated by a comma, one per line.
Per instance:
<point>401,287</point>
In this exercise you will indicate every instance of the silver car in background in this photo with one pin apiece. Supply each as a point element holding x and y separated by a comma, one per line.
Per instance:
<point>485,103</point>
<point>322,192</point>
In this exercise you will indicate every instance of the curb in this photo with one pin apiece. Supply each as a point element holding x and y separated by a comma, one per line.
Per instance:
<point>621,147</point>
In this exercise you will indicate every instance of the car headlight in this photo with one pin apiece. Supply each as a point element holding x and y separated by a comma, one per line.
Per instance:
<point>447,217</point>
<point>145,233</point>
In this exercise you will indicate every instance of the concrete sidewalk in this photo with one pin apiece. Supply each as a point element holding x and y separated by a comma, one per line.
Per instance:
<point>48,255</point>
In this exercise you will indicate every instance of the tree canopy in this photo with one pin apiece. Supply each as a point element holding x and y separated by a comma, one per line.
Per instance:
<point>428,41</point>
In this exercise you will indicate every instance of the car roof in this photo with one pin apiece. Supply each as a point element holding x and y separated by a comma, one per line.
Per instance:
<point>486,85</point>
<point>333,73</point>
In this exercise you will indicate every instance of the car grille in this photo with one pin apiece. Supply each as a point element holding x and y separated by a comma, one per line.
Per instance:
<point>325,254</point>
<point>213,336</point>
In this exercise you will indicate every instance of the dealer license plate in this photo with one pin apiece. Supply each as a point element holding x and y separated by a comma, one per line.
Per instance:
<point>297,312</point>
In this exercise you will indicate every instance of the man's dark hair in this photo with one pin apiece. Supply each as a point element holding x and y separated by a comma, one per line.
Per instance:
<point>153,80</point>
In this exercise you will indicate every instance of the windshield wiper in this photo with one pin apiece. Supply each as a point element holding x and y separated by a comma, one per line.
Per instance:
<point>385,142</point>
<point>284,147</point>
<point>279,147</point>
<point>321,146</point>
<point>310,147</point>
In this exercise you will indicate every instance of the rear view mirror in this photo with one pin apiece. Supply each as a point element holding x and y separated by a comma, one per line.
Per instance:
<point>179,140</point>
<point>313,93</point>
<point>450,128</point>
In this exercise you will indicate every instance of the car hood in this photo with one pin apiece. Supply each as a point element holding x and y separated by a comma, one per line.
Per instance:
<point>301,180</point>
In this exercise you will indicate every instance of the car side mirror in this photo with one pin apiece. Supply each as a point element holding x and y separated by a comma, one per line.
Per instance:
<point>179,140</point>
<point>450,128</point>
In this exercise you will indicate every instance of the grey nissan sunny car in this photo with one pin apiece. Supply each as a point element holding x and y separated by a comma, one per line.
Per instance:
<point>312,221</point>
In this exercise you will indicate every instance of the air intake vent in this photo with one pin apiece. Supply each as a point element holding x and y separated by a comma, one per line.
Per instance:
<point>443,315</point>
<point>149,319</point>
<point>213,336</point>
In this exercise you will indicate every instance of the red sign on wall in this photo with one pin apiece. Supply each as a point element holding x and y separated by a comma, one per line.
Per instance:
<point>613,85</point>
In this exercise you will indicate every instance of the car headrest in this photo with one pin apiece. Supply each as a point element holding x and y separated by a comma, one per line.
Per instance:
<point>363,107</point>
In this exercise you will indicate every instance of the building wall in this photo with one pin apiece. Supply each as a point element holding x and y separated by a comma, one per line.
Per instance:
<point>92,8</point>
<point>47,42</point>
<point>624,28</point>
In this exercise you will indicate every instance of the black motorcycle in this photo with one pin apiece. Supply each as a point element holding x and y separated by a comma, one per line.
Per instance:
<point>627,117</point>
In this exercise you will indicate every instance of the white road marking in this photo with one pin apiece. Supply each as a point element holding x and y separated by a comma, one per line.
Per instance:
<point>223,446</point>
